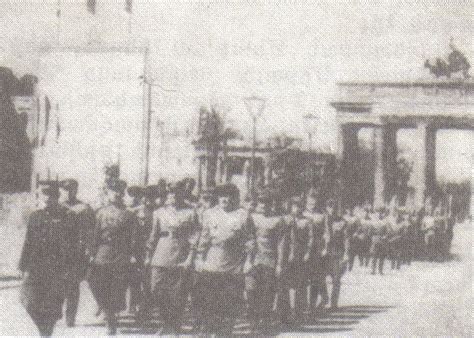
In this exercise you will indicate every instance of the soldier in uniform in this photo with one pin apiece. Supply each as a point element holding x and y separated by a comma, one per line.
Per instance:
<point>44,260</point>
<point>145,218</point>
<point>171,249</point>
<point>301,246</point>
<point>81,240</point>
<point>353,226</point>
<point>336,249</point>
<point>134,204</point>
<point>267,257</point>
<point>378,247</point>
<point>226,240</point>
<point>112,254</point>
<point>207,201</point>
<point>395,227</point>
<point>317,275</point>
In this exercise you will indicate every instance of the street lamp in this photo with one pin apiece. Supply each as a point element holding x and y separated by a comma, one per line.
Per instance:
<point>310,124</point>
<point>147,124</point>
<point>255,106</point>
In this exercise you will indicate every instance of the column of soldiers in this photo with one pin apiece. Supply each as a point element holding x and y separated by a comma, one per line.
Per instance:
<point>170,251</point>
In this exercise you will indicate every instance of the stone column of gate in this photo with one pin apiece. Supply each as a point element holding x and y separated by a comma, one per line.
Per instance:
<point>389,153</point>
<point>350,164</point>
<point>425,170</point>
<point>379,172</point>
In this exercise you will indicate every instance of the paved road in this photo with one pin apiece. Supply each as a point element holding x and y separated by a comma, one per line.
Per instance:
<point>422,299</point>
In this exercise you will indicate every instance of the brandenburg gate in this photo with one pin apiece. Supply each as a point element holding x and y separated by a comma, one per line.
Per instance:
<point>387,107</point>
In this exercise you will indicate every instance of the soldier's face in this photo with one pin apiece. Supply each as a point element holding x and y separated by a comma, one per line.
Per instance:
<point>311,203</point>
<point>225,203</point>
<point>130,201</point>
<point>50,200</point>
<point>114,196</point>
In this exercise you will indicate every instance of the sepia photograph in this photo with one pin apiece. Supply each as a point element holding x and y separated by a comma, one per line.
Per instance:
<point>220,168</point>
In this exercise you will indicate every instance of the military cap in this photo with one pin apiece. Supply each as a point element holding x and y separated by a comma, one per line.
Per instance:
<point>227,189</point>
<point>208,193</point>
<point>265,195</point>
<point>331,203</point>
<point>116,185</point>
<point>69,184</point>
<point>177,188</point>
<point>151,192</point>
<point>297,200</point>
<point>135,191</point>
<point>49,187</point>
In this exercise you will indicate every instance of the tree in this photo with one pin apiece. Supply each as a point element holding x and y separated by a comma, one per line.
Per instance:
<point>213,135</point>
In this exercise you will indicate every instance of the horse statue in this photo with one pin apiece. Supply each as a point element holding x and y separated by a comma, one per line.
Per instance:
<point>456,62</point>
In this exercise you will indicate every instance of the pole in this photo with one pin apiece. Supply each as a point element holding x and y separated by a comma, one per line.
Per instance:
<point>252,163</point>
<point>310,151</point>
<point>147,138</point>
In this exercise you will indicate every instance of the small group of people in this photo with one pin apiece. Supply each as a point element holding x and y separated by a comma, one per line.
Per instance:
<point>169,250</point>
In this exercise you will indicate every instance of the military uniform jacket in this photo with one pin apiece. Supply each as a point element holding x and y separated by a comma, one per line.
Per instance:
<point>47,244</point>
<point>44,260</point>
<point>173,235</point>
<point>270,235</point>
<point>113,235</point>
<point>81,235</point>
<point>301,238</point>
<point>336,236</point>
<point>142,231</point>
<point>318,232</point>
<point>226,240</point>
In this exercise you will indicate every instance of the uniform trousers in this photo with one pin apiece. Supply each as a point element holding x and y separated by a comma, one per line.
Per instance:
<point>378,252</point>
<point>222,294</point>
<point>108,284</point>
<point>170,288</point>
<point>260,284</point>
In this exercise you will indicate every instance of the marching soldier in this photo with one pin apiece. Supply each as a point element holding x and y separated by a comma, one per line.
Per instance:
<point>395,227</point>
<point>336,250</point>
<point>318,276</point>
<point>378,247</point>
<point>266,259</point>
<point>112,254</point>
<point>353,226</point>
<point>226,240</point>
<point>207,201</point>
<point>81,240</point>
<point>301,246</point>
<point>428,229</point>
<point>134,205</point>
<point>44,260</point>
<point>145,217</point>
<point>171,249</point>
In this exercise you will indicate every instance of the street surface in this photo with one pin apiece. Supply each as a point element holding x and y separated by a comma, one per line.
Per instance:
<point>424,299</point>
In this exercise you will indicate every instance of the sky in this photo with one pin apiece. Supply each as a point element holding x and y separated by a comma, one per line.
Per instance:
<point>292,53</point>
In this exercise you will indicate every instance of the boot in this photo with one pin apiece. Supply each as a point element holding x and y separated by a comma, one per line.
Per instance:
<point>335,294</point>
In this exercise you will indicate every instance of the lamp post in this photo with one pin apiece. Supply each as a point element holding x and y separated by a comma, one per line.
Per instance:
<point>255,106</point>
<point>310,124</point>
<point>149,82</point>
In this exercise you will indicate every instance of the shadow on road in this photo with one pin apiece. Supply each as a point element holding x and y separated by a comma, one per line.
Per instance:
<point>341,320</point>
